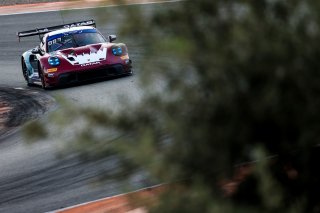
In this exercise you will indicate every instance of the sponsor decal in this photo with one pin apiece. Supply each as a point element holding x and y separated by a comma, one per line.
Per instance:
<point>45,30</point>
<point>52,70</point>
<point>85,23</point>
<point>124,57</point>
<point>54,41</point>
<point>87,59</point>
<point>90,64</point>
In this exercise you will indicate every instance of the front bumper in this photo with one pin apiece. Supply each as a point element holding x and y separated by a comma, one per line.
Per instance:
<point>89,74</point>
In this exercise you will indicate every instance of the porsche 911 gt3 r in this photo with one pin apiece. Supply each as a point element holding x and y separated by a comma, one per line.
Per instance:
<point>73,53</point>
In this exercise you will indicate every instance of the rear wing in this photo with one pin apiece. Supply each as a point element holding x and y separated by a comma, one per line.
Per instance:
<point>41,31</point>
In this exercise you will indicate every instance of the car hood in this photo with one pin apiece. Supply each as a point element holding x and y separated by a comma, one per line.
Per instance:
<point>84,54</point>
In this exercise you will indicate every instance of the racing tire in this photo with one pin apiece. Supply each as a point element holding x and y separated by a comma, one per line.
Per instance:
<point>43,83</point>
<point>25,72</point>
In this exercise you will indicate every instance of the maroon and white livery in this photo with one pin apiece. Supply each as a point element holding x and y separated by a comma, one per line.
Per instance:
<point>73,53</point>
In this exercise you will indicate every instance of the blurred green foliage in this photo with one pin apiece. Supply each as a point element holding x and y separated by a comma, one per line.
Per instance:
<point>239,83</point>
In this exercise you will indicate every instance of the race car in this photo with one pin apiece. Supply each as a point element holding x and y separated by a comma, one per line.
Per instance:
<point>72,53</point>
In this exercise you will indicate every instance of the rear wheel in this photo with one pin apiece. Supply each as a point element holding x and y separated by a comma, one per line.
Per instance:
<point>25,72</point>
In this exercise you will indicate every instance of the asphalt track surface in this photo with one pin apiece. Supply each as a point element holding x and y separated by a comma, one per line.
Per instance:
<point>32,177</point>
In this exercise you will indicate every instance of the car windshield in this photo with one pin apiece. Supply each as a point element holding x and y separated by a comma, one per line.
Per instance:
<point>74,39</point>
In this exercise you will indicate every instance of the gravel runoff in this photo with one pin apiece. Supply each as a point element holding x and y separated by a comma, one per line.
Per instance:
<point>13,2</point>
<point>18,105</point>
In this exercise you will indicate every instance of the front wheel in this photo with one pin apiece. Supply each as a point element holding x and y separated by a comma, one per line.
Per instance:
<point>41,75</point>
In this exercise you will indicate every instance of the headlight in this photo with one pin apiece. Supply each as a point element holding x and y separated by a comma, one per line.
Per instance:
<point>54,61</point>
<point>117,50</point>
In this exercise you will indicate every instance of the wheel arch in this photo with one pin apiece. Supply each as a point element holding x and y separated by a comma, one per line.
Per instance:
<point>26,58</point>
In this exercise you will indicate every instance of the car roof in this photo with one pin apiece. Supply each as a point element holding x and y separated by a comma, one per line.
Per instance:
<point>65,30</point>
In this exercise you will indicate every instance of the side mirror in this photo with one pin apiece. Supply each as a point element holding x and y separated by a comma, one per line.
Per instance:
<point>36,50</point>
<point>112,38</point>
